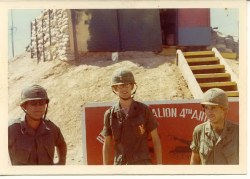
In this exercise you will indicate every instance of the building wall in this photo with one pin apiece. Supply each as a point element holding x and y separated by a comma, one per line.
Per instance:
<point>194,27</point>
<point>71,37</point>
<point>113,30</point>
<point>193,17</point>
<point>118,30</point>
<point>50,36</point>
<point>140,30</point>
<point>97,30</point>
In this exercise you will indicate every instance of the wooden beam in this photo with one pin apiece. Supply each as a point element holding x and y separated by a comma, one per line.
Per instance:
<point>204,59</point>
<point>207,67</point>
<point>229,55</point>
<point>212,75</point>
<point>217,84</point>
<point>199,54</point>
<point>234,77</point>
<point>188,76</point>
<point>73,16</point>
<point>232,93</point>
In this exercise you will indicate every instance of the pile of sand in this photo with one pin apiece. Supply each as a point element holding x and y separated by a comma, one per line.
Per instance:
<point>71,85</point>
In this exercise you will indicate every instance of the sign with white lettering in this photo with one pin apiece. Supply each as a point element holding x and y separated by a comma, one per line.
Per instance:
<point>176,119</point>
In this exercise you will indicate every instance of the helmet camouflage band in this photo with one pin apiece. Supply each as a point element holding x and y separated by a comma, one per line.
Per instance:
<point>34,92</point>
<point>122,76</point>
<point>215,96</point>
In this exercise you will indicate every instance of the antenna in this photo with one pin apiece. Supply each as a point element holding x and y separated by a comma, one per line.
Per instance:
<point>12,34</point>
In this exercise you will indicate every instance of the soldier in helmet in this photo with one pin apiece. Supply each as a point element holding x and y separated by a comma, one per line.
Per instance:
<point>217,140</point>
<point>129,123</point>
<point>33,138</point>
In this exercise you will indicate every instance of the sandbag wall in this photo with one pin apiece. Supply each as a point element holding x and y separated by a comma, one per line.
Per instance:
<point>224,43</point>
<point>50,36</point>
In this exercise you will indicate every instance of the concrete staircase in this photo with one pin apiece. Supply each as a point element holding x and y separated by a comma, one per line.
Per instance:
<point>207,69</point>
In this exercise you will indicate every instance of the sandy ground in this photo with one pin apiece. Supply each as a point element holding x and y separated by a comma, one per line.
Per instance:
<point>72,85</point>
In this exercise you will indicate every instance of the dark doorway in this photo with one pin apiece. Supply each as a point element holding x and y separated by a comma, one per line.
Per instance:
<point>168,18</point>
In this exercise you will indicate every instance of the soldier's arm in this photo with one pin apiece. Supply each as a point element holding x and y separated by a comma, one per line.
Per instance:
<point>11,142</point>
<point>195,145</point>
<point>62,152</point>
<point>61,146</point>
<point>195,158</point>
<point>106,150</point>
<point>157,146</point>
<point>107,133</point>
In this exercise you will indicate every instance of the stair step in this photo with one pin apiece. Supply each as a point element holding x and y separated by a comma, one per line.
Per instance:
<point>226,86</point>
<point>232,93</point>
<point>199,54</point>
<point>229,55</point>
<point>212,77</point>
<point>203,61</point>
<point>207,69</point>
<point>218,84</point>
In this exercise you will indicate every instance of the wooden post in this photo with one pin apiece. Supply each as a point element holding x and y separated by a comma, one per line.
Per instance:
<point>49,29</point>
<point>37,50</point>
<point>31,50</point>
<point>12,34</point>
<point>43,41</point>
<point>73,17</point>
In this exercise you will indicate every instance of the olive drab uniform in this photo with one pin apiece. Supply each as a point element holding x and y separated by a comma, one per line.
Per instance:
<point>130,132</point>
<point>30,147</point>
<point>214,149</point>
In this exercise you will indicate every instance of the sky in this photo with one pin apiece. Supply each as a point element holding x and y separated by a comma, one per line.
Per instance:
<point>21,29</point>
<point>225,19</point>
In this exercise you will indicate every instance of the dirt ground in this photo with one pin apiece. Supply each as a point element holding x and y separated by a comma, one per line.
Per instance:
<point>72,85</point>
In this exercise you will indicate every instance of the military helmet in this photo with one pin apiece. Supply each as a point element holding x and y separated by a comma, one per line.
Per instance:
<point>34,92</point>
<point>215,96</point>
<point>122,76</point>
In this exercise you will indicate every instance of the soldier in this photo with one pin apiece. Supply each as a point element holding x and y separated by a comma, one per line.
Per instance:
<point>217,140</point>
<point>33,138</point>
<point>129,123</point>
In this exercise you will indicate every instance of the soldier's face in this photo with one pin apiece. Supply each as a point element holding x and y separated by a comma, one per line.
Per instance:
<point>35,108</point>
<point>214,113</point>
<point>124,90</point>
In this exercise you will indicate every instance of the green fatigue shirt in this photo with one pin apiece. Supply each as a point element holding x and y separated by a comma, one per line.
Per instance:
<point>130,133</point>
<point>34,147</point>
<point>214,149</point>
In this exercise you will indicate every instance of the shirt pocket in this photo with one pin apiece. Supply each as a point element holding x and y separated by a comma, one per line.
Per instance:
<point>116,128</point>
<point>139,126</point>
<point>23,151</point>
<point>230,152</point>
<point>205,151</point>
<point>49,145</point>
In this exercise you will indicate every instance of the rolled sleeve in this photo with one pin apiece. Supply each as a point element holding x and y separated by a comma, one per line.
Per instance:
<point>106,131</point>
<point>194,146</point>
<point>151,121</point>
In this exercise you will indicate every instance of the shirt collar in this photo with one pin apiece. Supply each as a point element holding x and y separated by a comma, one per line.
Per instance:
<point>25,128</point>
<point>227,129</point>
<point>209,131</point>
<point>117,106</point>
<point>208,128</point>
<point>132,109</point>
